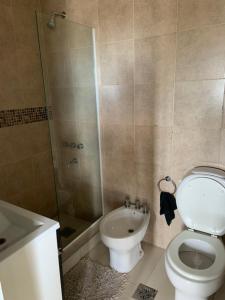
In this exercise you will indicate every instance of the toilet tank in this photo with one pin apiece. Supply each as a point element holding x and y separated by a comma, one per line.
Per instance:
<point>201,200</point>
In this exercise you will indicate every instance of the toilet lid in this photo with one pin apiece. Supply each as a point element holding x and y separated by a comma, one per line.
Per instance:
<point>201,203</point>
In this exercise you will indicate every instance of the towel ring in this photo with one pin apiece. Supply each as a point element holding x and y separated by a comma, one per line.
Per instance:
<point>168,179</point>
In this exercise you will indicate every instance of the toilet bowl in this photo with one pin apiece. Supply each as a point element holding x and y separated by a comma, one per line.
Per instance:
<point>195,259</point>
<point>122,231</point>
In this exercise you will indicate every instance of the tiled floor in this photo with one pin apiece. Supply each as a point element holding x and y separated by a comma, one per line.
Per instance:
<point>149,271</point>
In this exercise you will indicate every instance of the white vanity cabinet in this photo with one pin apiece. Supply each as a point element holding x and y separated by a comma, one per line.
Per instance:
<point>29,266</point>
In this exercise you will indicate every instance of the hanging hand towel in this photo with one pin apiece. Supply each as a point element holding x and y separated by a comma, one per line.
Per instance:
<point>167,206</point>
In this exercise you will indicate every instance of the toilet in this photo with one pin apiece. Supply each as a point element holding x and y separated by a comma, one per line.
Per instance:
<point>122,231</point>
<point>195,259</point>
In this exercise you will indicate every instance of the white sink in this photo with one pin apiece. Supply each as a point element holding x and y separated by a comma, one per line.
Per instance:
<point>19,226</point>
<point>29,266</point>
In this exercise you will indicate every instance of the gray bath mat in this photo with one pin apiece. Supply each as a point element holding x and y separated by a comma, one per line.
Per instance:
<point>89,280</point>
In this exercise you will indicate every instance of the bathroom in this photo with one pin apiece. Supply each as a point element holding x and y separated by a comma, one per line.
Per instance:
<point>99,101</point>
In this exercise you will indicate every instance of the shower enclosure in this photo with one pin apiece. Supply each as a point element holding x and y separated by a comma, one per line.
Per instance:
<point>68,61</point>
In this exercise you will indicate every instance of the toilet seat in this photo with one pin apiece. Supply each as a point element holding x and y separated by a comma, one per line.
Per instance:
<point>214,271</point>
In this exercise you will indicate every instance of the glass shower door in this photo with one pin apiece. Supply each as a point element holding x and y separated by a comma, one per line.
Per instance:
<point>68,60</point>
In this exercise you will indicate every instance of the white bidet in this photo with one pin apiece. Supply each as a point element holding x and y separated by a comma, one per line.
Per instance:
<point>122,231</point>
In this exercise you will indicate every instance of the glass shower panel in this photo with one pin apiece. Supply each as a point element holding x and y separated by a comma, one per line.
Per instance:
<point>68,60</point>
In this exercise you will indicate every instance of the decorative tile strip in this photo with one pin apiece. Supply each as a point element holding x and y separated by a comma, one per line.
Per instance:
<point>22,116</point>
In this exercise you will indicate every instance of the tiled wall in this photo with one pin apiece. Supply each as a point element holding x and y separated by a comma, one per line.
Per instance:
<point>162,92</point>
<point>161,65</point>
<point>26,175</point>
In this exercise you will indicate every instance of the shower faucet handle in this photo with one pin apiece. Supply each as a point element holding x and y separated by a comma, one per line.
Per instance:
<point>73,161</point>
<point>145,208</point>
<point>80,146</point>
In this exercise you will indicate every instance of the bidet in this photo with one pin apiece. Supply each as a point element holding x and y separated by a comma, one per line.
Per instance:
<point>122,231</point>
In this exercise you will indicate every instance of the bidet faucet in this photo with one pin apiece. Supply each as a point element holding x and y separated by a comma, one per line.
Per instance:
<point>127,202</point>
<point>145,208</point>
<point>137,204</point>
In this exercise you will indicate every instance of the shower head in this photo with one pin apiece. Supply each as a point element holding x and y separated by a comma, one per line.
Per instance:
<point>51,23</point>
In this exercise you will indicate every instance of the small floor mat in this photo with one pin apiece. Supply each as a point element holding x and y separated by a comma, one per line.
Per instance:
<point>144,292</point>
<point>89,280</point>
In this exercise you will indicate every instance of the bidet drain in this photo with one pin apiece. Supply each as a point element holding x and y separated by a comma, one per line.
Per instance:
<point>130,230</point>
<point>2,241</point>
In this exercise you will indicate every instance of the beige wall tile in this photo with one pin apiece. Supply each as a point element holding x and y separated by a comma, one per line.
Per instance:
<point>58,69</point>
<point>23,141</point>
<point>25,27</point>
<point>155,59</point>
<point>83,11</point>
<point>118,179</point>
<point>116,62</point>
<point>117,104</point>
<point>29,69</point>
<point>79,36</point>
<point>33,97</point>
<point>82,67</point>
<point>9,70</point>
<point>200,53</point>
<point>10,98</point>
<point>53,5</point>
<point>199,104</point>
<point>80,104</point>
<point>153,18</point>
<point>118,142</point>
<point>32,4</point>
<point>88,135</point>
<point>153,145</point>
<point>19,176</point>
<point>193,14</point>
<point>43,168</point>
<point>154,103</point>
<point>115,20</point>
<point>144,182</point>
<point>89,170</point>
<point>113,199</point>
<point>7,36</point>
<point>5,2</point>
<point>88,207</point>
<point>193,147</point>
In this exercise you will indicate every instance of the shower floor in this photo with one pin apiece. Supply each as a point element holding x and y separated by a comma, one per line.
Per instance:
<point>71,228</point>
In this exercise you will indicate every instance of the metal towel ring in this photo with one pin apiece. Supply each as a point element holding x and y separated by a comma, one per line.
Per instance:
<point>168,179</point>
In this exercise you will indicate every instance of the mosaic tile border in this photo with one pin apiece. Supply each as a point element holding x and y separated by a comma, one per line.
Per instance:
<point>13,117</point>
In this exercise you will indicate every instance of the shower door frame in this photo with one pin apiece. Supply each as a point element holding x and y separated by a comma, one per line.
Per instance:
<point>40,34</point>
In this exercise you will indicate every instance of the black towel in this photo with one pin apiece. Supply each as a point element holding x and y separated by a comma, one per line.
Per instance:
<point>167,206</point>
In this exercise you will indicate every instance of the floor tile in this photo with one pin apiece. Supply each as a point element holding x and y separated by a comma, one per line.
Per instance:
<point>145,267</point>
<point>100,254</point>
<point>220,295</point>
<point>159,281</point>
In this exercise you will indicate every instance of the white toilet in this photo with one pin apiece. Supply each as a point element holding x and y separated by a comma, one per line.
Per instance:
<point>195,259</point>
<point>122,231</point>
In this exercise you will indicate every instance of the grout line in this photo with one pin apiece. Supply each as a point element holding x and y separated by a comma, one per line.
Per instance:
<point>200,27</point>
<point>134,104</point>
<point>174,93</point>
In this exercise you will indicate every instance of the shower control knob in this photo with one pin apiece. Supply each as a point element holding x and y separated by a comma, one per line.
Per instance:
<point>80,146</point>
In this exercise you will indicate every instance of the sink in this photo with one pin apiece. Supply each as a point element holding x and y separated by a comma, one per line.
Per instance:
<point>13,227</point>
<point>18,227</point>
<point>29,262</point>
